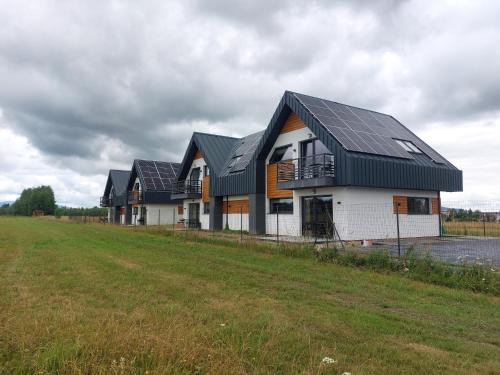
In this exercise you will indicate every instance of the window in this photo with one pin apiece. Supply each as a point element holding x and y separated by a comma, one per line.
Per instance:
<point>206,208</point>
<point>136,186</point>
<point>136,211</point>
<point>234,161</point>
<point>408,146</point>
<point>418,206</point>
<point>281,205</point>
<point>206,171</point>
<point>281,153</point>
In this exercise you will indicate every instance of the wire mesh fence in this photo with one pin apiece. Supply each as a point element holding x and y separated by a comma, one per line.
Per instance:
<point>461,233</point>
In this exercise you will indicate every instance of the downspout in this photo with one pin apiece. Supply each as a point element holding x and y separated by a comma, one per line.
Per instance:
<point>227,213</point>
<point>439,213</point>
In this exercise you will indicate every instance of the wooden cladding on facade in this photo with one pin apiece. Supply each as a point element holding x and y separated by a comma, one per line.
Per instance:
<point>235,207</point>
<point>403,204</point>
<point>180,209</point>
<point>198,155</point>
<point>272,190</point>
<point>292,123</point>
<point>400,204</point>
<point>435,206</point>
<point>205,185</point>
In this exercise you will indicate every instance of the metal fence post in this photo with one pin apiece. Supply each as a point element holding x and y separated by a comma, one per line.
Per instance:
<point>241,224</point>
<point>173,220</point>
<point>159,217</point>
<point>484,226</point>
<point>277,224</point>
<point>397,226</point>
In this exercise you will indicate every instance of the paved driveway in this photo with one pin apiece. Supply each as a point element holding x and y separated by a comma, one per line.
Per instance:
<point>455,249</point>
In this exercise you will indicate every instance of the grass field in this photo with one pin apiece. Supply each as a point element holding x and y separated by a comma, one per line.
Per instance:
<point>98,299</point>
<point>472,228</point>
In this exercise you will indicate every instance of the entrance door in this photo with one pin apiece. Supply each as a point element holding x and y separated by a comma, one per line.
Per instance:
<point>317,216</point>
<point>194,215</point>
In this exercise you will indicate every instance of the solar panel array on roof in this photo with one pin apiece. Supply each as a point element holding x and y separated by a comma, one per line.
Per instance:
<point>365,131</point>
<point>157,175</point>
<point>242,153</point>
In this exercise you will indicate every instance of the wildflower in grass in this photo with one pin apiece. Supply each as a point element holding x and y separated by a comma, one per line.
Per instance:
<point>346,373</point>
<point>406,269</point>
<point>328,361</point>
<point>223,324</point>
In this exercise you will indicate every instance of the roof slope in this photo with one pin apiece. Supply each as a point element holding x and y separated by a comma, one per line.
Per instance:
<point>118,179</point>
<point>154,175</point>
<point>216,150</point>
<point>362,130</point>
<point>241,154</point>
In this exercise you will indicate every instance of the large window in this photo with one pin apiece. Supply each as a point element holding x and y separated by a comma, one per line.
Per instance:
<point>206,171</point>
<point>281,206</point>
<point>281,153</point>
<point>418,206</point>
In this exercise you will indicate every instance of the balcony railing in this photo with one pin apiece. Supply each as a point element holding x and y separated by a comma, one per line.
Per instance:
<point>105,202</point>
<point>187,187</point>
<point>308,167</point>
<point>135,197</point>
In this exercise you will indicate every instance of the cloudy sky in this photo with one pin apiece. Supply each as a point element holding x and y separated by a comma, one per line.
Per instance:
<point>86,86</point>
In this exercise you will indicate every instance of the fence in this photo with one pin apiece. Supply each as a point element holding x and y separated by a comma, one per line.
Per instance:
<point>469,232</point>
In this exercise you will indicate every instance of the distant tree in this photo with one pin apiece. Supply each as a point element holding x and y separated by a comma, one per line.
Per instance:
<point>31,199</point>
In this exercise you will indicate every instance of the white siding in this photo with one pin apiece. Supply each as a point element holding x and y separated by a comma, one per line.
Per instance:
<point>161,213</point>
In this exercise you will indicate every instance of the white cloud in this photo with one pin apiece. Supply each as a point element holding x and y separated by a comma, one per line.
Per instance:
<point>91,85</point>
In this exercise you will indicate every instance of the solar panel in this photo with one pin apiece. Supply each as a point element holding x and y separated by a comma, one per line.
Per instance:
<point>157,175</point>
<point>242,153</point>
<point>361,130</point>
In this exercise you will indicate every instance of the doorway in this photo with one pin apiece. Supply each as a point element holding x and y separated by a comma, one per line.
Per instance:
<point>317,213</point>
<point>194,216</point>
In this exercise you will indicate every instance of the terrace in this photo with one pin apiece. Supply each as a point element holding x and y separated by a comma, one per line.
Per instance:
<point>187,189</point>
<point>306,172</point>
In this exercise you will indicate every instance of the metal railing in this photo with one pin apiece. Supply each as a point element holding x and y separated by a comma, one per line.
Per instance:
<point>105,202</point>
<point>313,166</point>
<point>187,187</point>
<point>135,197</point>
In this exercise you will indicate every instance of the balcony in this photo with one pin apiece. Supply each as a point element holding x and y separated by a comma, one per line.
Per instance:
<point>105,202</point>
<point>307,172</point>
<point>135,197</point>
<point>187,189</point>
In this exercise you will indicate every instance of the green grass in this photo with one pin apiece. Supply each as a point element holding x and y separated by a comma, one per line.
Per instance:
<point>97,299</point>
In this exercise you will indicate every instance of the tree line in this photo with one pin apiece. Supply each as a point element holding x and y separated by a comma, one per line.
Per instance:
<point>454,214</point>
<point>41,200</point>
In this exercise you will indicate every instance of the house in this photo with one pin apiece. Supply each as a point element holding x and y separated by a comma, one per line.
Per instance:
<point>205,158</point>
<point>115,195</point>
<point>149,188</point>
<point>318,165</point>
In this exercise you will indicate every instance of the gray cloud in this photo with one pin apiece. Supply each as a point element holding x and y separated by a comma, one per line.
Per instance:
<point>91,83</point>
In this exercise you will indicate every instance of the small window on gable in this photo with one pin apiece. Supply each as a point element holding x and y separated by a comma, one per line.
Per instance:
<point>136,186</point>
<point>408,146</point>
<point>281,153</point>
<point>206,171</point>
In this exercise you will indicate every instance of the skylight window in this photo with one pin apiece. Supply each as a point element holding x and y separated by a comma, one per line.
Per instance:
<point>408,146</point>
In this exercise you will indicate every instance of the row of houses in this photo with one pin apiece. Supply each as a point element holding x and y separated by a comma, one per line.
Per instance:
<point>314,157</point>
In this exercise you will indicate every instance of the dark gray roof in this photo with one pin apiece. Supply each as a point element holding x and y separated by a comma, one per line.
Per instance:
<point>216,150</point>
<point>362,130</point>
<point>117,179</point>
<point>154,175</point>
<point>242,153</point>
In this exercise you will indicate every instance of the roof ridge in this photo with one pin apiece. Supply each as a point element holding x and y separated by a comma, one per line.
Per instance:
<point>347,105</point>
<point>215,135</point>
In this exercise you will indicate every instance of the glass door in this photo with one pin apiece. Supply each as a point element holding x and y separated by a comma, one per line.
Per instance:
<point>317,213</point>
<point>194,215</point>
